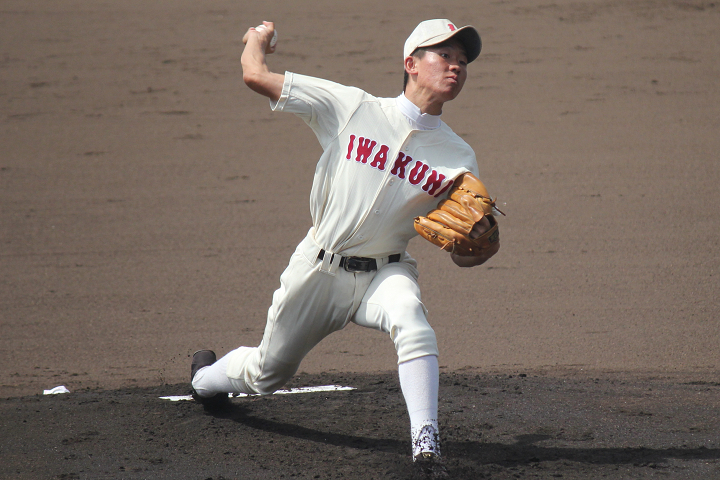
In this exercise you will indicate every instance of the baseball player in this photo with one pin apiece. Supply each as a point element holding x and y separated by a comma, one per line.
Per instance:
<point>385,162</point>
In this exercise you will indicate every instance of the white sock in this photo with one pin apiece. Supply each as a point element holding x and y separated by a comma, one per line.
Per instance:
<point>419,381</point>
<point>212,379</point>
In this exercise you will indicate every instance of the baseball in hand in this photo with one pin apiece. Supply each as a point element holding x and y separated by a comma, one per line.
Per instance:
<point>273,40</point>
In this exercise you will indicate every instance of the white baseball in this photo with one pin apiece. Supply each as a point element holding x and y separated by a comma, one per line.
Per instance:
<point>274,38</point>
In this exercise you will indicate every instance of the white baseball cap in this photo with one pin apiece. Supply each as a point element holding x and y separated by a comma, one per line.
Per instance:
<point>432,32</point>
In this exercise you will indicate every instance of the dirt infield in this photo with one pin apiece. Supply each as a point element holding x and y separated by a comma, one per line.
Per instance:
<point>497,426</point>
<point>149,202</point>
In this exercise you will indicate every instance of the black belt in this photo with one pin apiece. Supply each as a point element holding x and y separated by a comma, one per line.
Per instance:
<point>360,264</point>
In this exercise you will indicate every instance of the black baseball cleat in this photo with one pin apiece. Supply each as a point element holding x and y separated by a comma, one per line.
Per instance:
<point>200,359</point>
<point>429,466</point>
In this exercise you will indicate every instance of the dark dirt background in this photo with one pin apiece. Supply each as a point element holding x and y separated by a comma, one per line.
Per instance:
<point>497,426</point>
<point>149,202</point>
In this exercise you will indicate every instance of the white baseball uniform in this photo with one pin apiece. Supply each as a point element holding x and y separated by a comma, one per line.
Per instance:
<point>383,164</point>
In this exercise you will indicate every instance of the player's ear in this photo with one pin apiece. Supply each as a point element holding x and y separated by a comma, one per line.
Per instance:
<point>411,65</point>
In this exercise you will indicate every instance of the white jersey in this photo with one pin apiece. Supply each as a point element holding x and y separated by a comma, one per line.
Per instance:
<point>377,172</point>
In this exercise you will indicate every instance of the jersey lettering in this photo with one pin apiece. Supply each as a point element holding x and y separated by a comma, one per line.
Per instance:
<point>434,182</point>
<point>400,164</point>
<point>444,189</point>
<point>418,173</point>
<point>364,149</point>
<point>380,158</point>
<point>350,146</point>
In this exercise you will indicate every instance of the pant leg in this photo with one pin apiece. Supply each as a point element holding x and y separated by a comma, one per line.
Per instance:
<point>308,306</point>
<point>392,304</point>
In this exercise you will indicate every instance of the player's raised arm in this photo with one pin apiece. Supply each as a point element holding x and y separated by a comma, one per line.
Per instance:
<point>260,41</point>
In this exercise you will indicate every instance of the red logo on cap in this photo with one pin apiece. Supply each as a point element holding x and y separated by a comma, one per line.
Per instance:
<point>451,27</point>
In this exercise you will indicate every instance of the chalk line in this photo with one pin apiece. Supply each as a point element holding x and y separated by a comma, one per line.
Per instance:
<point>322,388</point>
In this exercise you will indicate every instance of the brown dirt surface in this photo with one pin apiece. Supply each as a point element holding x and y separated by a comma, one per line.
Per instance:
<point>149,202</point>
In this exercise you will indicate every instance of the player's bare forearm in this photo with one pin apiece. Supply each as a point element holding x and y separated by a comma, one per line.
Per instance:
<point>256,73</point>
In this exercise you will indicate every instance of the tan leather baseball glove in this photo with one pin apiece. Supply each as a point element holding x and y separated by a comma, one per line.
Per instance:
<point>450,225</point>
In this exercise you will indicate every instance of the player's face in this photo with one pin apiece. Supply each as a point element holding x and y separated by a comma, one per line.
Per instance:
<point>443,70</point>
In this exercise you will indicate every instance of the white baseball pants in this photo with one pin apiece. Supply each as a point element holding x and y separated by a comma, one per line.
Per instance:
<point>317,298</point>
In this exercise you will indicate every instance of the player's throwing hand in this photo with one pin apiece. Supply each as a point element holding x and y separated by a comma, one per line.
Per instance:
<point>265,35</point>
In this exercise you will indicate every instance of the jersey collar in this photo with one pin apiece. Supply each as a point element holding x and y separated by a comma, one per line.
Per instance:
<point>419,121</point>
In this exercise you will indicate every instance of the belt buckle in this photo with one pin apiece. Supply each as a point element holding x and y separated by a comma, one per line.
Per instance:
<point>357,264</point>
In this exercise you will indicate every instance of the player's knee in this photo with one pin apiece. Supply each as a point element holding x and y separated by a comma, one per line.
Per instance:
<point>415,341</point>
<point>267,389</point>
<point>409,329</point>
<point>272,380</point>
<point>266,386</point>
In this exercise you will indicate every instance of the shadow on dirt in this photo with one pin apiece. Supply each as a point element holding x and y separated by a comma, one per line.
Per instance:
<point>240,415</point>
<point>523,452</point>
